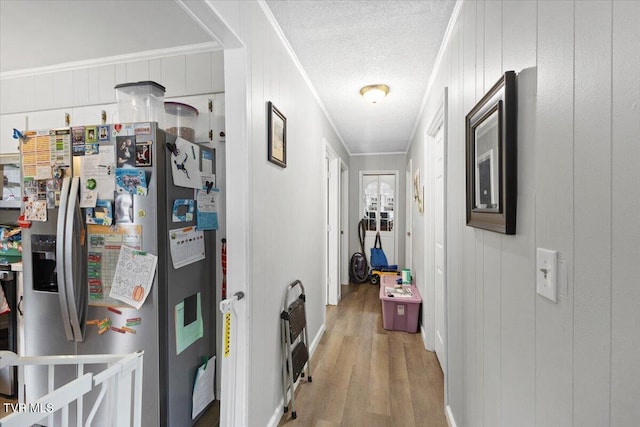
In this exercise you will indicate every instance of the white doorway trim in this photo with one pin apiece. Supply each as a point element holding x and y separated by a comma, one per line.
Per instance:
<point>332,209</point>
<point>408,251</point>
<point>436,267</point>
<point>344,220</point>
<point>234,398</point>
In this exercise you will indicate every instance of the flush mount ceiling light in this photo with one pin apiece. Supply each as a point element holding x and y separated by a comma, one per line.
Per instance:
<point>374,93</point>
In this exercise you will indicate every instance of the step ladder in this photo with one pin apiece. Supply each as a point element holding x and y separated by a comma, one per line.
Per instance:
<point>295,353</point>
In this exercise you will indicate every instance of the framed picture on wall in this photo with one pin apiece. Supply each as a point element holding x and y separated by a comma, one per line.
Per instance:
<point>418,191</point>
<point>277,136</point>
<point>491,151</point>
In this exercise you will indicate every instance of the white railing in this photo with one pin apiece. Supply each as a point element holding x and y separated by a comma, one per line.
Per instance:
<point>120,383</point>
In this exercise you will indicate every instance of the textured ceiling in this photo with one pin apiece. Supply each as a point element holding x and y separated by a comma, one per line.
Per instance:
<point>344,45</point>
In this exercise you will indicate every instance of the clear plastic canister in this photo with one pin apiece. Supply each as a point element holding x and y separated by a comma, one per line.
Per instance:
<point>180,120</point>
<point>140,102</point>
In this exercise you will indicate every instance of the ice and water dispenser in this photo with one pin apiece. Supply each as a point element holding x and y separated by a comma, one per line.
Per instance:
<point>43,255</point>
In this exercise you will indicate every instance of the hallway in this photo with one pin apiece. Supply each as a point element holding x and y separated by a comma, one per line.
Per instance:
<point>366,376</point>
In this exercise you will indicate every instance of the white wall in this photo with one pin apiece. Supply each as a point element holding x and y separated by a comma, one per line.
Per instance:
<point>514,357</point>
<point>376,162</point>
<point>420,220</point>
<point>287,231</point>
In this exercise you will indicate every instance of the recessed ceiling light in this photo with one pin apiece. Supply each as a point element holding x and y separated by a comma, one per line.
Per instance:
<point>374,93</point>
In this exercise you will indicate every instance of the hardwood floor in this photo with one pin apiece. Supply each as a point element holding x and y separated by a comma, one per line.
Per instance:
<point>366,376</point>
<point>6,409</point>
<point>211,418</point>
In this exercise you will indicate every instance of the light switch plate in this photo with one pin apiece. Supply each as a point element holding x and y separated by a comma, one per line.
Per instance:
<point>547,273</point>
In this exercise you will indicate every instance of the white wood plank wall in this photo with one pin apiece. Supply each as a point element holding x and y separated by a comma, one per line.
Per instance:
<point>456,208</point>
<point>592,213</point>
<point>467,241</point>
<point>182,75</point>
<point>625,205</point>
<point>516,359</point>
<point>41,100</point>
<point>517,295</point>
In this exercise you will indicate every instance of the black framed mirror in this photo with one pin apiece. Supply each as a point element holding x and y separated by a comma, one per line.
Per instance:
<point>491,152</point>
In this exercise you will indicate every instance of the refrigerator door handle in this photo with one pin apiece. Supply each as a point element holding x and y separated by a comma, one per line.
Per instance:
<point>60,258</point>
<point>76,308</point>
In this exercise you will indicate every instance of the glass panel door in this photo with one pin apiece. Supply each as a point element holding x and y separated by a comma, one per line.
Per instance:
<point>378,197</point>
<point>387,201</point>
<point>370,189</point>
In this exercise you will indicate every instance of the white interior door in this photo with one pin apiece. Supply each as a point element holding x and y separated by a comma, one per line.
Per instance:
<point>344,224</point>
<point>440,249</point>
<point>379,210</point>
<point>328,234</point>
<point>333,227</point>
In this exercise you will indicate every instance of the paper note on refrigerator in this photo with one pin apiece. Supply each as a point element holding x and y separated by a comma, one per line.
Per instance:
<point>37,158</point>
<point>203,393</point>
<point>207,215</point>
<point>36,210</point>
<point>61,147</point>
<point>185,166</point>
<point>188,320</point>
<point>187,246</point>
<point>207,163</point>
<point>134,276</point>
<point>103,247</point>
<point>98,174</point>
<point>131,181</point>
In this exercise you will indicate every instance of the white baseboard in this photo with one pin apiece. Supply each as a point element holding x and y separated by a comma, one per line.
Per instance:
<point>279,411</point>
<point>277,415</point>
<point>449,414</point>
<point>423,333</point>
<point>316,340</point>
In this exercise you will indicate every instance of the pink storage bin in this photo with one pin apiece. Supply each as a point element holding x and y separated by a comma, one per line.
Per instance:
<point>399,313</point>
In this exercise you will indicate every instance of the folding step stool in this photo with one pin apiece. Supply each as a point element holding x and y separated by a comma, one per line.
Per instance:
<point>294,334</point>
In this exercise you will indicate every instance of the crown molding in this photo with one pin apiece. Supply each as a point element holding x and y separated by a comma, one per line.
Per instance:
<point>392,153</point>
<point>445,41</point>
<point>205,14</point>
<point>117,59</point>
<point>303,73</point>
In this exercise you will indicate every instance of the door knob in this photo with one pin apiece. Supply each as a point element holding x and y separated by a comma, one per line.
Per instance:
<point>409,233</point>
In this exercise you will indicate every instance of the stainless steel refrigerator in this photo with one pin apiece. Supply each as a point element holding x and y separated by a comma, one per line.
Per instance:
<point>57,301</point>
